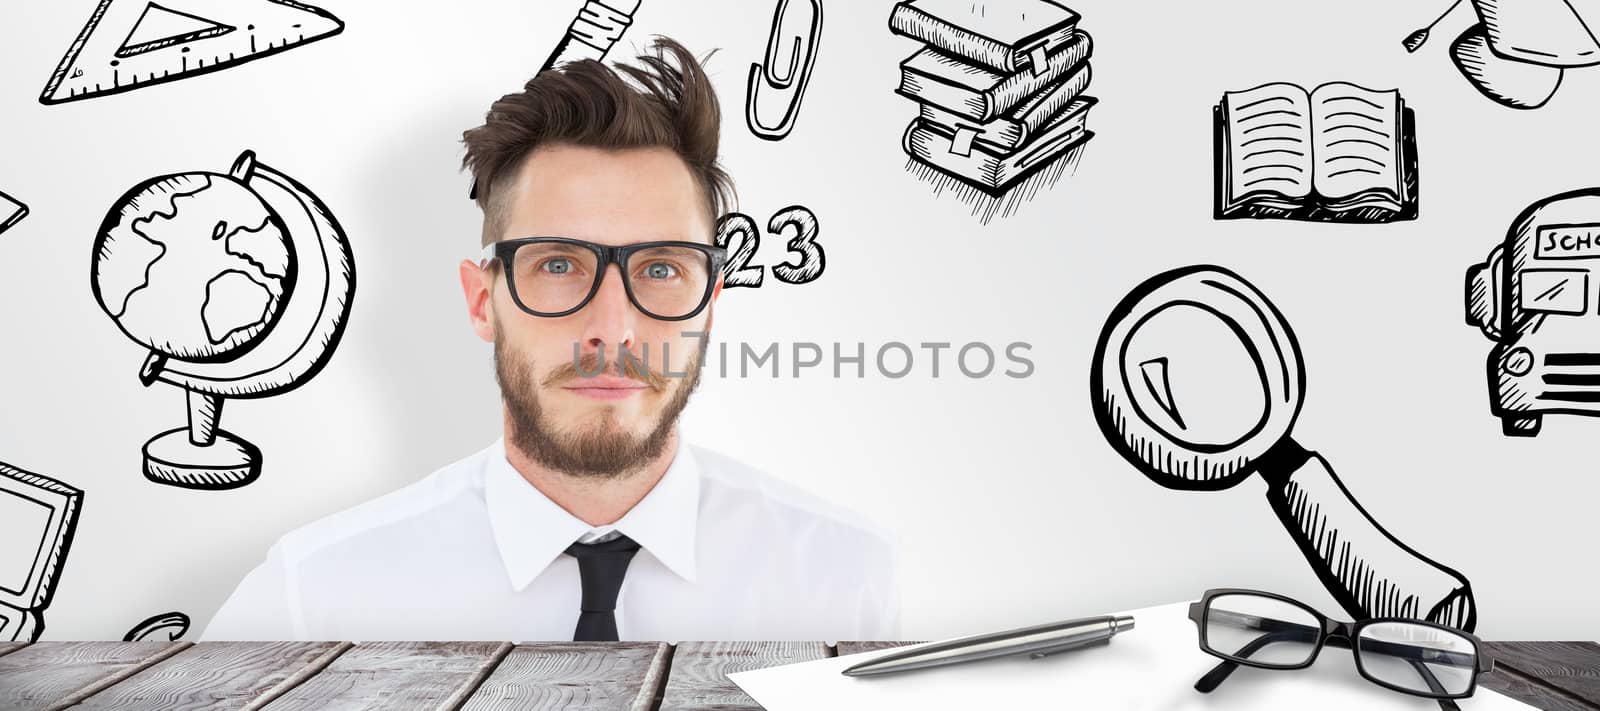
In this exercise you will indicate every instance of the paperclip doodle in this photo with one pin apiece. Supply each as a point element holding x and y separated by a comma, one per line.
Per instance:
<point>792,79</point>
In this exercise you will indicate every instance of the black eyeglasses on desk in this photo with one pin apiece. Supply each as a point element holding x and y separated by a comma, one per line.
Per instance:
<point>1261,629</point>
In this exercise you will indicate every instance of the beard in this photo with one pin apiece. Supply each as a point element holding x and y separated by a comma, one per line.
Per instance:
<point>598,450</point>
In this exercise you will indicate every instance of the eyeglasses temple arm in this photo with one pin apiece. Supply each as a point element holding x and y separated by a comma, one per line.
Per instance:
<point>1285,632</point>
<point>1434,685</point>
<point>1214,678</point>
<point>1218,674</point>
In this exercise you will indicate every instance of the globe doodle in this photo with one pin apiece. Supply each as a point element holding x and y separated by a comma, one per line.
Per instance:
<point>194,266</point>
<point>237,285</point>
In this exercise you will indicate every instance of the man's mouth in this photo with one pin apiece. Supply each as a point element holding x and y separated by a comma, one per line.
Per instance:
<point>605,387</point>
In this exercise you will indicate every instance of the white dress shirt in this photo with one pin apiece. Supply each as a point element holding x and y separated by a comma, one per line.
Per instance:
<point>475,552</point>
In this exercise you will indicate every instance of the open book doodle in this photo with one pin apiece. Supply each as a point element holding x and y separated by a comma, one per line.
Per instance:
<point>1339,153</point>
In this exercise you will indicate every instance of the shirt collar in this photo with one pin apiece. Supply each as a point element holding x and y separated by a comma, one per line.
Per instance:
<point>531,531</point>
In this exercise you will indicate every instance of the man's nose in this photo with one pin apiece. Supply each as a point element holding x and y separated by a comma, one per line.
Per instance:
<point>609,318</point>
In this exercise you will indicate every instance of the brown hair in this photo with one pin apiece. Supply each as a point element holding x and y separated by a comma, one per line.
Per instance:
<point>587,103</point>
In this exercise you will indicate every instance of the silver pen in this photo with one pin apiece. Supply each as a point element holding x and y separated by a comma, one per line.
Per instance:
<point>1037,641</point>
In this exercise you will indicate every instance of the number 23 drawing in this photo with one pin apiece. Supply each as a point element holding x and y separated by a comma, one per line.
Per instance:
<point>738,233</point>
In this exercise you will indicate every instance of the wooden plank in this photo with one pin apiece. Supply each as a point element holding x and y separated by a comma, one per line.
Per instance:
<point>699,677</point>
<point>219,675</point>
<point>53,675</point>
<point>575,675</point>
<point>1540,695</point>
<point>176,675</point>
<point>408,675</point>
<point>857,647</point>
<point>1572,668</point>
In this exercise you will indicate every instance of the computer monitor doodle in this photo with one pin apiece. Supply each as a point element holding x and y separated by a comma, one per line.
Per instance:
<point>38,516</point>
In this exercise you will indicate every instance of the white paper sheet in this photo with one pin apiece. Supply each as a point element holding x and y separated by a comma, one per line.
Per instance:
<point>1153,666</point>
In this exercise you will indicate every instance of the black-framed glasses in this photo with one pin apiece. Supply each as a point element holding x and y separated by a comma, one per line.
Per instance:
<point>1270,631</point>
<point>556,276</point>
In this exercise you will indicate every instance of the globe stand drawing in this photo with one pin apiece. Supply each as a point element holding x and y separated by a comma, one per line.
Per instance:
<point>240,286</point>
<point>201,456</point>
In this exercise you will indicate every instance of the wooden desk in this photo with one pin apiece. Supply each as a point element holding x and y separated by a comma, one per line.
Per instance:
<point>498,675</point>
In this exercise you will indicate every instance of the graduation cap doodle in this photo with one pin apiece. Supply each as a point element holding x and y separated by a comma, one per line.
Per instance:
<point>1519,50</point>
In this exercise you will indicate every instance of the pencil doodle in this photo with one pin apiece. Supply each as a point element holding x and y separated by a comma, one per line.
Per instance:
<point>1534,297</point>
<point>1197,381</point>
<point>790,82</point>
<point>38,516</point>
<point>165,627</point>
<point>1338,153</point>
<point>737,233</point>
<point>1519,50</point>
<point>11,211</point>
<point>199,268</point>
<point>128,44</point>
<point>595,30</point>
<point>1000,85</point>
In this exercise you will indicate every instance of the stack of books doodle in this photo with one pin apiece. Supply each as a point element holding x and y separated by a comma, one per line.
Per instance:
<point>1001,85</point>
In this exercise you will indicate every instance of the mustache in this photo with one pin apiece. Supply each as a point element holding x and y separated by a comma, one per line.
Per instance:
<point>590,365</point>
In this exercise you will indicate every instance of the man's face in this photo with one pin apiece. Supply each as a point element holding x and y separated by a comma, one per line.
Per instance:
<point>560,412</point>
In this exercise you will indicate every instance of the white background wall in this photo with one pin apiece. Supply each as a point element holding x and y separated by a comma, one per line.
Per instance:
<point>1012,507</point>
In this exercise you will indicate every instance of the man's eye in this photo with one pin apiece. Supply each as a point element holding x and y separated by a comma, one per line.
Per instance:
<point>660,270</point>
<point>558,265</point>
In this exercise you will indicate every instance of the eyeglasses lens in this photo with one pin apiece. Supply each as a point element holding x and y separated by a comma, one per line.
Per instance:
<point>1417,657</point>
<point>1261,631</point>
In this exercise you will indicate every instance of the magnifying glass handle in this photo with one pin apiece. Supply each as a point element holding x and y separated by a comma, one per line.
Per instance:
<point>1369,571</point>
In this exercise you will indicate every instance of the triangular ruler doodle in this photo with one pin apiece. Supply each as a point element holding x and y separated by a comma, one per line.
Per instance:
<point>11,211</point>
<point>129,44</point>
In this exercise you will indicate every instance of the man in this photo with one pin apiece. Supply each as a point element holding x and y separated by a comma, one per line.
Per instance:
<point>588,519</point>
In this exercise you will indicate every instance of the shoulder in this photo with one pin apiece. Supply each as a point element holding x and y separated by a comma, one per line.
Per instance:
<point>438,494</point>
<point>788,506</point>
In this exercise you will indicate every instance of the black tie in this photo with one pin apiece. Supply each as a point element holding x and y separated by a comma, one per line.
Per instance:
<point>601,567</point>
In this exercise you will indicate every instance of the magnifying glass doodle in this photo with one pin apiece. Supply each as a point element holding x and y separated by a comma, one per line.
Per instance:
<point>1197,381</point>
